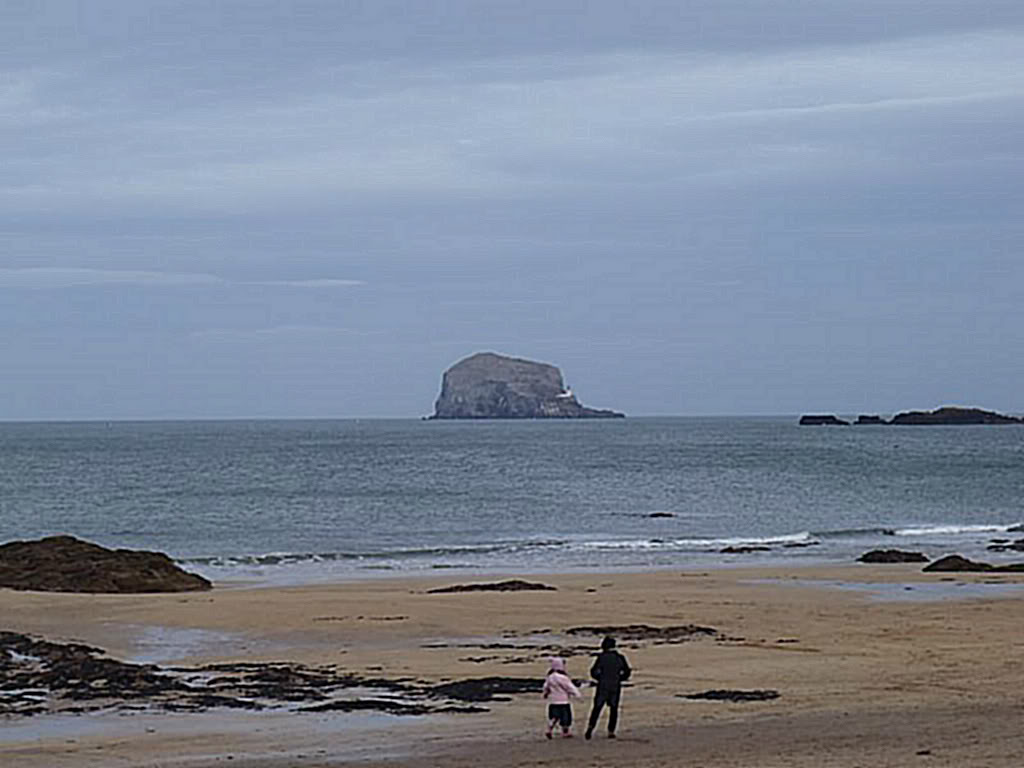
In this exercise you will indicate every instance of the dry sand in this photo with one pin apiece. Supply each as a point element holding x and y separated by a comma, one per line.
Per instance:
<point>917,679</point>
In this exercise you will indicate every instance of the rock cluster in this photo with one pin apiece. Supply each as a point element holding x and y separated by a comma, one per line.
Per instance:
<point>67,564</point>
<point>892,556</point>
<point>491,386</point>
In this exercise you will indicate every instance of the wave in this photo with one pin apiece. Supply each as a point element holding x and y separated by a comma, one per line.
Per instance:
<point>954,530</point>
<point>950,529</point>
<point>698,544</point>
<point>497,549</point>
<point>292,558</point>
<point>525,550</point>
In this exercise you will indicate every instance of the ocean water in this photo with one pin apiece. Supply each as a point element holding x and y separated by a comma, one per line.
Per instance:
<point>308,501</point>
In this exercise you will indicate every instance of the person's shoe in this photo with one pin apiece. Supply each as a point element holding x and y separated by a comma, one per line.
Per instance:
<point>611,735</point>
<point>588,734</point>
<point>566,735</point>
<point>547,734</point>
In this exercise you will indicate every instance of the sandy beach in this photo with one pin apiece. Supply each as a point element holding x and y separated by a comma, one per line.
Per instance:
<point>873,665</point>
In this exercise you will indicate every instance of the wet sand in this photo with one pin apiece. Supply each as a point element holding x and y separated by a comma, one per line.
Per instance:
<point>874,665</point>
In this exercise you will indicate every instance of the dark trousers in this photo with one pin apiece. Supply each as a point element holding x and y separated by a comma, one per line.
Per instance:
<point>609,696</point>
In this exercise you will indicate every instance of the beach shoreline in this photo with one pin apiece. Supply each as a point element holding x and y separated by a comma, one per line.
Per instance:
<point>851,650</point>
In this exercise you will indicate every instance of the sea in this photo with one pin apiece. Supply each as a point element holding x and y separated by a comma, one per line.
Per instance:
<point>305,502</point>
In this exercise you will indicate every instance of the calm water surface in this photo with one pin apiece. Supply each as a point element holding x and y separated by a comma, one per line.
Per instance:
<point>297,501</point>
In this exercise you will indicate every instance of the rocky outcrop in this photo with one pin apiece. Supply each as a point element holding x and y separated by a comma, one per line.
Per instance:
<point>948,415</point>
<point>491,386</point>
<point>958,564</point>
<point>869,419</point>
<point>892,556</point>
<point>822,419</point>
<point>67,564</point>
<point>951,415</point>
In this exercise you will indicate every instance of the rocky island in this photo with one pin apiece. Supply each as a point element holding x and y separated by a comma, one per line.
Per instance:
<point>491,386</point>
<point>949,415</point>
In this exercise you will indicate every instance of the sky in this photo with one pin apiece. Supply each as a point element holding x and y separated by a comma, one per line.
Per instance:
<point>269,209</point>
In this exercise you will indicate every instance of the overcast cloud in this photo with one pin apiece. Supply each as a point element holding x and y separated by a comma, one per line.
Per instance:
<point>260,208</point>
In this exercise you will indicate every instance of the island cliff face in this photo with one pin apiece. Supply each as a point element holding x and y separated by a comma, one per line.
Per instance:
<point>491,386</point>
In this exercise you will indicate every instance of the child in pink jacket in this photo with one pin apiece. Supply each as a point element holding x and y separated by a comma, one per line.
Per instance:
<point>558,689</point>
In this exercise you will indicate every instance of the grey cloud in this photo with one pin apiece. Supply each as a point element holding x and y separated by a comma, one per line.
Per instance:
<point>44,277</point>
<point>750,185</point>
<point>278,332</point>
<point>65,277</point>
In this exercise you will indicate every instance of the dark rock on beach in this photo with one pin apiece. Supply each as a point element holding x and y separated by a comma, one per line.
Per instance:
<point>892,556</point>
<point>491,386</point>
<point>733,696</point>
<point>512,585</point>
<point>958,564</point>
<point>67,564</point>
<point>822,419</point>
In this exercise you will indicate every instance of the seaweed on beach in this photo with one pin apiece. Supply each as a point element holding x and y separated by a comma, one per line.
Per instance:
<point>634,632</point>
<point>486,688</point>
<point>39,676</point>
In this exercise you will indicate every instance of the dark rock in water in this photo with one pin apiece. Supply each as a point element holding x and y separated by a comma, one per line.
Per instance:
<point>800,544</point>
<point>661,514</point>
<point>734,696</point>
<point>822,419</point>
<point>1005,546</point>
<point>892,556</point>
<point>67,564</point>
<point>951,415</point>
<point>870,419</point>
<point>1019,528</point>
<point>491,386</point>
<point>746,550</point>
<point>512,585</point>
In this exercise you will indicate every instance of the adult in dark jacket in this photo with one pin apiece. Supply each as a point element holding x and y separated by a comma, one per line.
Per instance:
<point>610,669</point>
